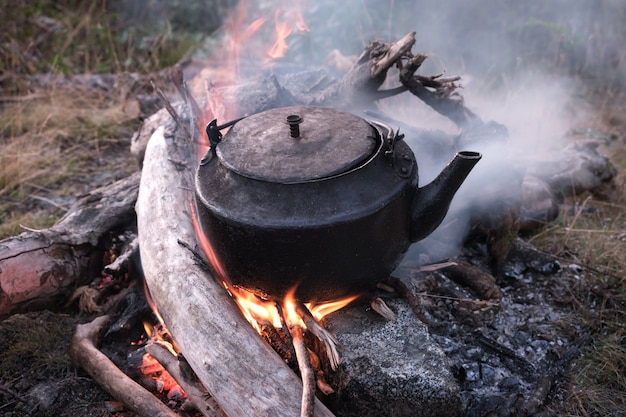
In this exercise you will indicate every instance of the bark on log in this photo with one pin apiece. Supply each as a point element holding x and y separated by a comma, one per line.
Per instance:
<point>243,374</point>
<point>39,269</point>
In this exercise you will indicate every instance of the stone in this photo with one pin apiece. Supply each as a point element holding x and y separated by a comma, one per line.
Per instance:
<point>391,368</point>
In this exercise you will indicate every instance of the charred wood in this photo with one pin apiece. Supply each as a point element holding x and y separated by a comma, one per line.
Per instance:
<point>123,262</point>
<point>482,283</point>
<point>361,83</point>
<point>399,286</point>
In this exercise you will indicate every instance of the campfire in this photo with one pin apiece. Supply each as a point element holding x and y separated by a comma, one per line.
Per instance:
<point>255,304</point>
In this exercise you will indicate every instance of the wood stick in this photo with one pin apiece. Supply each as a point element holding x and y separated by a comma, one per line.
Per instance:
<point>171,110</point>
<point>482,283</point>
<point>197,397</point>
<point>241,371</point>
<point>408,295</point>
<point>86,355</point>
<point>120,265</point>
<point>331,344</point>
<point>306,371</point>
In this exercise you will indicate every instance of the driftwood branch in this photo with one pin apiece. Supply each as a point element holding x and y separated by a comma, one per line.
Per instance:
<point>442,99</point>
<point>86,355</point>
<point>361,83</point>
<point>39,269</point>
<point>243,374</point>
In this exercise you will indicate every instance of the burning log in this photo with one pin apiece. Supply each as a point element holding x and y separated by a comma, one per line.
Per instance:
<point>243,374</point>
<point>197,398</point>
<point>40,268</point>
<point>85,354</point>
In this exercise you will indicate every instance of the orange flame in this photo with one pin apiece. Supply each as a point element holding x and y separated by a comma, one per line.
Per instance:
<point>319,311</point>
<point>255,309</point>
<point>150,367</point>
<point>153,369</point>
<point>292,318</point>
<point>250,39</point>
<point>280,46</point>
<point>283,29</point>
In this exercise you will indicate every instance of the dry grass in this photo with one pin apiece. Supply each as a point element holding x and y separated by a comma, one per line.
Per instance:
<point>591,239</point>
<point>54,148</point>
<point>591,234</point>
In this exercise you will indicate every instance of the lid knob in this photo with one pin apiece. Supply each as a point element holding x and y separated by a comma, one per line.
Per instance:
<point>293,120</point>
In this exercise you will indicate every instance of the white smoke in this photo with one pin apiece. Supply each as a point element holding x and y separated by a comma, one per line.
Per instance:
<point>523,65</point>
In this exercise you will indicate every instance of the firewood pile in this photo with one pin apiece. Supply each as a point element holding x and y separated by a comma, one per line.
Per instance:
<point>464,307</point>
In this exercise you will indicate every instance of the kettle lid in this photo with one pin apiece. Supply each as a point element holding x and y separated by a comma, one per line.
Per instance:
<point>297,144</point>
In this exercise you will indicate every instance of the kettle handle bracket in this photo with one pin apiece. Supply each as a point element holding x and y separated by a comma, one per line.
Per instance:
<point>402,162</point>
<point>213,132</point>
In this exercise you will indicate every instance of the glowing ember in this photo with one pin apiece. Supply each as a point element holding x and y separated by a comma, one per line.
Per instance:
<point>150,367</point>
<point>164,382</point>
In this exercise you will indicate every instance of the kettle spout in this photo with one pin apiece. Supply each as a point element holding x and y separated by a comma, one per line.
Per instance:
<point>431,202</point>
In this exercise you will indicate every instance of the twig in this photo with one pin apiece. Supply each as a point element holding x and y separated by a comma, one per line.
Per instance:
<point>195,114</point>
<point>330,342</point>
<point>575,219</point>
<point>306,371</point>
<point>412,299</point>
<point>84,353</point>
<point>442,100</point>
<point>197,397</point>
<point>434,267</point>
<point>49,201</point>
<point>170,109</point>
<point>15,395</point>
